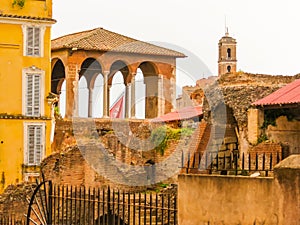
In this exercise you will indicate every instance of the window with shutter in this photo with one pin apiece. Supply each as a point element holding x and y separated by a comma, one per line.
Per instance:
<point>34,151</point>
<point>33,43</point>
<point>33,95</point>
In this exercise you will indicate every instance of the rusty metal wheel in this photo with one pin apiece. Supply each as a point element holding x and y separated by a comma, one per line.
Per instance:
<point>40,205</point>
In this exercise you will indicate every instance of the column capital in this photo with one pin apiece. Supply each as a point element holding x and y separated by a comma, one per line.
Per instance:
<point>106,73</point>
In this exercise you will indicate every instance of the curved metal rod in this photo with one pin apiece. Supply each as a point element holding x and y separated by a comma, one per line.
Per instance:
<point>32,200</point>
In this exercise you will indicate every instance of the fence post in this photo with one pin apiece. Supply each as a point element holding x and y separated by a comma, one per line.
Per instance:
<point>50,203</point>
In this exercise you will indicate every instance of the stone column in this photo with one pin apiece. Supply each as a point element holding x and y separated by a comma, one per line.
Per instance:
<point>160,97</point>
<point>151,104</point>
<point>105,95</point>
<point>108,99</point>
<point>132,105</point>
<point>255,122</point>
<point>127,100</point>
<point>90,104</point>
<point>71,90</point>
<point>173,93</point>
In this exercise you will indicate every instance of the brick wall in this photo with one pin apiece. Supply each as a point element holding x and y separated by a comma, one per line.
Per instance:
<point>67,165</point>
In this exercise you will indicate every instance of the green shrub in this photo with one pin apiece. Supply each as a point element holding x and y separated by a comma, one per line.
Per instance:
<point>161,136</point>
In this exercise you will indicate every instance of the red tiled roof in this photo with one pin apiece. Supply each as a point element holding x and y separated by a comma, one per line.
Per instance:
<point>182,114</point>
<point>100,39</point>
<point>289,94</point>
<point>27,17</point>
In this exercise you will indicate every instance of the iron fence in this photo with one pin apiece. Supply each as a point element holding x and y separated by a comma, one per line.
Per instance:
<point>11,220</point>
<point>230,163</point>
<point>81,206</point>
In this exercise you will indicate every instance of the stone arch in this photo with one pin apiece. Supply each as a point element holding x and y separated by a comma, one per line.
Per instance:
<point>121,66</point>
<point>58,75</point>
<point>117,94</point>
<point>89,69</point>
<point>150,74</point>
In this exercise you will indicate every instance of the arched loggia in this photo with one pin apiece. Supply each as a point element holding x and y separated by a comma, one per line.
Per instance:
<point>62,100</point>
<point>58,77</point>
<point>89,71</point>
<point>98,96</point>
<point>140,95</point>
<point>151,89</point>
<point>119,101</point>
<point>83,95</point>
<point>117,96</point>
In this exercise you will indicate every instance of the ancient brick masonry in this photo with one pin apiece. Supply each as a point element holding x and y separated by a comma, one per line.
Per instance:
<point>68,166</point>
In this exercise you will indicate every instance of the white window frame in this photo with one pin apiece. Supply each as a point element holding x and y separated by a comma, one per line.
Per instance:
<point>37,159</point>
<point>31,72</point>
<point>41,42</point>
<point>29,176</point>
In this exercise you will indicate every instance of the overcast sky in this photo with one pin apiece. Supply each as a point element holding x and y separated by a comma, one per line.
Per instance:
<point>267,31</point>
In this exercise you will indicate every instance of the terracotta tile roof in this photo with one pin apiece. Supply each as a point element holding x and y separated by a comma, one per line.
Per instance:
<point>182,114</point>
<point>100,39</point>
<point>289,94</point>
<point>27,17</point>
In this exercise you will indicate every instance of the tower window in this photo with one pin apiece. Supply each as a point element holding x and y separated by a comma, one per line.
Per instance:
<point>228,53</point>
<point>228,69</point>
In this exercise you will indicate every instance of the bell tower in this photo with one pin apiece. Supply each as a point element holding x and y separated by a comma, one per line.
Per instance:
<point>227,54</point>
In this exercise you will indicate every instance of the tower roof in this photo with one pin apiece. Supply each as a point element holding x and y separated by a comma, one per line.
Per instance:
<point>227,38</point>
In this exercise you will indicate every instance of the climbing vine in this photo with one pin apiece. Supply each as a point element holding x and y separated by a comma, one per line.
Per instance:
<point>19,3</point>
<point>271,115</point>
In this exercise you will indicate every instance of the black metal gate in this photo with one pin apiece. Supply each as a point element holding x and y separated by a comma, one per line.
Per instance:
<point>55,204</point>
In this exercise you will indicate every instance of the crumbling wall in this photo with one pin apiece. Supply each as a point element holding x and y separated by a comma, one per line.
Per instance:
<point>206,199</point>
<point>238,91</point>
<point>121,139</point>
<point>285,132</point>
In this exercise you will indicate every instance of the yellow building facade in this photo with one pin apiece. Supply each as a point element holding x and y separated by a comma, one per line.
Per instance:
<point>25,79</point>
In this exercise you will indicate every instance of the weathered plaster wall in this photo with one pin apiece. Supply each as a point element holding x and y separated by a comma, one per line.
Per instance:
<point>242,200</point>
<point>286,132</point>
<point>255,121</point>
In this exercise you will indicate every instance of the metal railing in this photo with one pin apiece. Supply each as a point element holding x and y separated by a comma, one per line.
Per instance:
<point>78,205</point>
<point>11,220</point>
<point>230,163</point>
